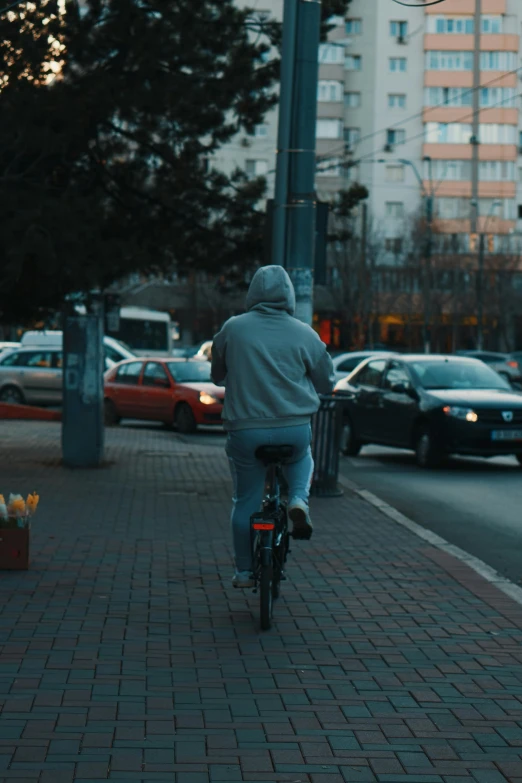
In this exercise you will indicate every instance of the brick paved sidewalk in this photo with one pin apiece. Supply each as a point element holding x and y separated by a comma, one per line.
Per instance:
<point>126,655</point>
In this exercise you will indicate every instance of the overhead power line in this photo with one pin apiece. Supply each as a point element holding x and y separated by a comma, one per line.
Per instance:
<point>424,110</point>
<point>418,5</point>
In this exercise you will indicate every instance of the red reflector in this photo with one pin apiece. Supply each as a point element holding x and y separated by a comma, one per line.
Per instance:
<point>512,364</point>
<point>263,526</point>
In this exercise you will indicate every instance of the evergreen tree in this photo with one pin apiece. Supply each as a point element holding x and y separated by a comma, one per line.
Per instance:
<point>111,113</point>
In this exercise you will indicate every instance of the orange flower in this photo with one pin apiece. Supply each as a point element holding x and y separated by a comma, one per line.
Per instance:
<point>32,502</point>
<point>16,506</point>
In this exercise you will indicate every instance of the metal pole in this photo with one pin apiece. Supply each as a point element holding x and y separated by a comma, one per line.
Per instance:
<point>480,293</point>
<point>428,253</point>
<point>476,121</point>
<point>284,132</point>
<point>301,217</point>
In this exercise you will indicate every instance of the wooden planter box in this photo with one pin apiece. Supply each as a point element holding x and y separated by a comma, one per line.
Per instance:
<point>14,549</point>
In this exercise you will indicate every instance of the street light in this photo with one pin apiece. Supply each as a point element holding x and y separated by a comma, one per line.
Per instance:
<point>480,277</point>
<point>428,197</point>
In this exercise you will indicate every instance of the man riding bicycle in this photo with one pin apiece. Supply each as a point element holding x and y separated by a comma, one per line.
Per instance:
<point>273,367</point>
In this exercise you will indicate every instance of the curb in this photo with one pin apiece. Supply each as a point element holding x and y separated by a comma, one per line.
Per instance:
<point>481,568</point>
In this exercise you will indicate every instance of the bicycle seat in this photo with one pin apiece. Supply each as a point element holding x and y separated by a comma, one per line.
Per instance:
<point>273,454</point>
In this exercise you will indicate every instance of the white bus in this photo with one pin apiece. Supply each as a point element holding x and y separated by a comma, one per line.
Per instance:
<point>146,332</point>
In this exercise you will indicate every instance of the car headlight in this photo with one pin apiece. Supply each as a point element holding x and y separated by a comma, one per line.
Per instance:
<point>464,414</point>
<point>207,399</point>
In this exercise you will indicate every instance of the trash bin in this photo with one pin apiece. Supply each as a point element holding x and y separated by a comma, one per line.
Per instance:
<point>326,442</point>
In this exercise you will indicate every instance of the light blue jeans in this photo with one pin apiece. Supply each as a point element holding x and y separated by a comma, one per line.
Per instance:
<point>248,475</point>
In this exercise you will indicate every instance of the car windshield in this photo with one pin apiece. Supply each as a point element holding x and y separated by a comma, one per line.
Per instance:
<point>190,372</point>
<point>457,375</point>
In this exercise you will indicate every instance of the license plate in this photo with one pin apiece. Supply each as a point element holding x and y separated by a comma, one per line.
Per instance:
<point>506,435</point>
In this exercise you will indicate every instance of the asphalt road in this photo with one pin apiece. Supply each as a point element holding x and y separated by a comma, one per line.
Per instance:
<point>473,503</point>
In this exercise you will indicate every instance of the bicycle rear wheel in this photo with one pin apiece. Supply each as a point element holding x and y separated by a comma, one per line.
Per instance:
<point>266,596</point>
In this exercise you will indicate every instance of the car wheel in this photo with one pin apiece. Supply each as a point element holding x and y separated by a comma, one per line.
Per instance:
<point>111,414</point>
<point>12,395</point>
<point>427,452</point>
<point>350,445</point>
<point>184,419</point>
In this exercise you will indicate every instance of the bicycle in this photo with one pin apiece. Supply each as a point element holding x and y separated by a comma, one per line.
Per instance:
<point>269,532</point>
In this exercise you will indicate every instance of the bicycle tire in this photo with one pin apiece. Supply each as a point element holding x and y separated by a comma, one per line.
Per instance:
<point>266,596</point>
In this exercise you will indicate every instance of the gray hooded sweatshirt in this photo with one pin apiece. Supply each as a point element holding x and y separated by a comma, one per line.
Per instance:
<point>272,365</point>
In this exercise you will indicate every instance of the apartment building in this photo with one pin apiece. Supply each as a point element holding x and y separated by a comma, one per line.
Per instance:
<point>396,87</point>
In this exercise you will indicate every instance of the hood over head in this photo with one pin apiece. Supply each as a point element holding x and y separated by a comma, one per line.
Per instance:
<point>271,289</point>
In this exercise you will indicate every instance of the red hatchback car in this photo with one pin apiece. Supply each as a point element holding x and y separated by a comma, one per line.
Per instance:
<point>174,391</point>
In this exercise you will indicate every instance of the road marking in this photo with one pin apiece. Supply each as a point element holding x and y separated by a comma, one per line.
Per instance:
<point>481,568</point>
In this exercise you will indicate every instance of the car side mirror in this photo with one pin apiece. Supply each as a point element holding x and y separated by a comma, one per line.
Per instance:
<point>399,388</point>
<point>404,388</point>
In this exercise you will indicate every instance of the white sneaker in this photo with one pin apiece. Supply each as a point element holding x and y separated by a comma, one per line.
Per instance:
<point>243,579</point>
<point>302,524</point>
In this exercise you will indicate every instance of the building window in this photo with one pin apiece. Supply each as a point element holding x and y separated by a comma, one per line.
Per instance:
<point>504,97</point>
<point>331,54</point>
<point>353,26</point>
<point>399,29</point>
<point>463,61</point>
<point>498,61</point>
<point>449,61</point>
<point>335,21</point>
<point>330,91</point>
<point>492,25</point>
<point>329,129</point>
<point>393,245</point>
<point>352,136</point>
<point>261,131</point>
<point>397,64</point>
<point>256,168</point>
<point>394,174</point>
<point>397,101</point>
<point>353,62</point>
<point>448,25</point>
<point>352,99</point>
<point>395,136</point>
<point>460,208</point>
<point>394,209</point>
<point>329,168</point>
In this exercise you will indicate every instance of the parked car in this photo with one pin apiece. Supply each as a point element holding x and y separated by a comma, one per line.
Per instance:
<point>435,405</point>
<point>115,350</point>
<point>32,374</point>
<point>7,346</point>
<point>503,363</point>
<point>173,391</point>
<point>345,363</point>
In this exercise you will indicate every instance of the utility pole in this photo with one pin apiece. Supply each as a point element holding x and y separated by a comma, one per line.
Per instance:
<point>480,292</point>
<point>476,121</point>
<point>475,142</point>
<point>295,199</point>
<point>428,254</point>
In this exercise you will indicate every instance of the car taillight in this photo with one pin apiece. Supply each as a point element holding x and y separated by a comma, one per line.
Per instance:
<point>512,364</point>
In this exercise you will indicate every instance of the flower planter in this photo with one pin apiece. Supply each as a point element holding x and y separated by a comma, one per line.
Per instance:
<point>14,548</point>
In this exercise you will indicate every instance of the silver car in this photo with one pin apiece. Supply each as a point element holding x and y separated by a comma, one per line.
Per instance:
<point>506,365</point>
<point>346,363</point>
<point>32,376</point>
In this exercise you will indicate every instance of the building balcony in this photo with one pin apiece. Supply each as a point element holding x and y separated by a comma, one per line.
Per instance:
<point>443,42</point>
<point>465,151</point>
<point>446,114</point>
<point>467,7</point>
